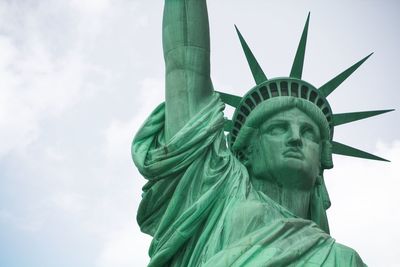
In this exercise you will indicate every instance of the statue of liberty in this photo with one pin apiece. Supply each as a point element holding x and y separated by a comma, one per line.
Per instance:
<point>257,196</point>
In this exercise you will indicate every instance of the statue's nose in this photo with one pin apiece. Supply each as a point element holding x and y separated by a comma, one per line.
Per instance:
<point>294,138</point>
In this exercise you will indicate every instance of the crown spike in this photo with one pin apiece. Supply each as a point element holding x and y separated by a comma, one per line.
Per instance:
<point>231,100</point>
<point>341,149</point>
<point>344,118</point>
<point>330,86</point>
<point>297,67</point>
<point>255,68</point>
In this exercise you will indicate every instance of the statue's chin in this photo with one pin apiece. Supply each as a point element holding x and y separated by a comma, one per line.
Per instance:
<point>291,170</point>
<point>294,174</point>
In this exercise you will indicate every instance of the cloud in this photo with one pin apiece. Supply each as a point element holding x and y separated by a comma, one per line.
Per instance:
<point>119,134</point>
<point>90,6</point>
<point>36,84</point>
<point>56,182</point>
<point>126,247</point>
<point>71,203</point>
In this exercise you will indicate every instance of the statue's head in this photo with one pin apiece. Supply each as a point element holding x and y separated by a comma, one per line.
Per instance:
<point>289,113</point>
<point>282,129</point>
<point>286,141</point>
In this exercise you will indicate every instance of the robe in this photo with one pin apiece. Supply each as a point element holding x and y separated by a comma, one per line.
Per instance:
<point>202,210</point>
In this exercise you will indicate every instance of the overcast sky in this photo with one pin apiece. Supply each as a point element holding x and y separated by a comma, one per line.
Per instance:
<point>77,78</point>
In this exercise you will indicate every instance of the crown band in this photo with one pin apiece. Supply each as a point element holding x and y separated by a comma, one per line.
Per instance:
<point>276,88</point>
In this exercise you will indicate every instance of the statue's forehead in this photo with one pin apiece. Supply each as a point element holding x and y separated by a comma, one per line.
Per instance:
<point>292,114</point>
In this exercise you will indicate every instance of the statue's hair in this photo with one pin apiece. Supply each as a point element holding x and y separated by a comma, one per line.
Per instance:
<point>268,108</point>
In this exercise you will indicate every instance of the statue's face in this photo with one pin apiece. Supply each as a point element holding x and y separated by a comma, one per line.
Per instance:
<point>287,150</point>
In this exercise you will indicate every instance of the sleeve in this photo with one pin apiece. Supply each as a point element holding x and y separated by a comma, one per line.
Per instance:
<point>164,164</point>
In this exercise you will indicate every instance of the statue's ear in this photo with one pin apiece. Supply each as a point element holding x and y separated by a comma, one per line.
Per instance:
<point>246,151</point>
<point>246,158</point>
<point>326,155</point>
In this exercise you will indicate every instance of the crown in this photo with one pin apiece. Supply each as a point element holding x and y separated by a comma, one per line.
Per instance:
<point>294,86</point>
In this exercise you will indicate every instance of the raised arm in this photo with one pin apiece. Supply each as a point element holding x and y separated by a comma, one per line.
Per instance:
<point>186,43</point>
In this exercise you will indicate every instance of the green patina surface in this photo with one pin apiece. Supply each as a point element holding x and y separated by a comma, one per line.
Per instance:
<point>258,198</point>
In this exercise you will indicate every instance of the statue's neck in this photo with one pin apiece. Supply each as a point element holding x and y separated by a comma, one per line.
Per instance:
<point>295,200</point>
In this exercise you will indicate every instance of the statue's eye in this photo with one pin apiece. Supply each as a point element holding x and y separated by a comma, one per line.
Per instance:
<point>310,133</point>
<point>277,128</point>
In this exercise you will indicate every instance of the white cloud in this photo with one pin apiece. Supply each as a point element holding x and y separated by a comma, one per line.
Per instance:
<point>35,84</point>
<point>119,134</point>
<point>90,6</point>
<point>50,64</point>
<point>123,243</point>
<point>69,202</point>
<point>125,247</point>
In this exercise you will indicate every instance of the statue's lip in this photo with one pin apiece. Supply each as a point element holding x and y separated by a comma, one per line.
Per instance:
<point>293,153</point>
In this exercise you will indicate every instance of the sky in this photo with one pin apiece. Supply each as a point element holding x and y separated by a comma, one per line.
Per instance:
<point>78,78</point>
